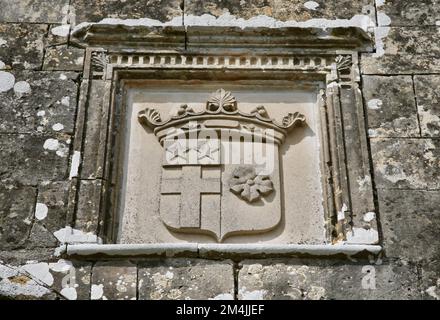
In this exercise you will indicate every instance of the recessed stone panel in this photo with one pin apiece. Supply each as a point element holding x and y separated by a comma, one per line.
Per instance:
<point>220,192</point>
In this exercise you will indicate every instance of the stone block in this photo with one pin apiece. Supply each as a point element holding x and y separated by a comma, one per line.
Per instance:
<point>403,51</point>
<point>72,279</point>
<point>283,10</point>
<point>57,35</point>
<point>319,280</point>
<point>63,58</point>
<point>428,104</point>
<point>50,213</point>
<point>39,102</point>
<point>299,10</point>
<point>185,279</point>
<point>16,215</point>
<point>35,11</point>
<point>410,222</point>
<point>21,256</point>
<point>114,280</point>
<point>408,12</point>
<point>30,159</point>
<point>45,280</point>
<point>22,45</point>
<point>96,131</point>
<point>88,208</point>
<point>87,11</point>
<point>17,284</point>
<point>391,106</point>
<point>240,9</point>
<point>406,163</point>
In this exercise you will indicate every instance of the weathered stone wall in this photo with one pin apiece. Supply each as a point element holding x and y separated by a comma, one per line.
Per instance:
<point>40,77</point>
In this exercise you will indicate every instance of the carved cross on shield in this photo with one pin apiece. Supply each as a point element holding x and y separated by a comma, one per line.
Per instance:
<point>212,185</point>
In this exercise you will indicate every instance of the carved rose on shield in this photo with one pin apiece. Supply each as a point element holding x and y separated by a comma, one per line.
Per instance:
<point>250,186</point>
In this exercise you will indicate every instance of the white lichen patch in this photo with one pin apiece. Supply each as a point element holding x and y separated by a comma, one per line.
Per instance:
<point>22,88</point>
<point>39,272</point>
<point>374,104</point>
<point>383,19</point>
<point>362,236</point>
<point>60,250</point>
<point>79,61</point>
<point>65,101</point>
<point>51,144</point>
<point>41,113</point>
<point>74,164</point>
<point>432,291</point>
<point>61,266</point>
<point>227,20</point>
<point>380,34</point>
<point>341,213</point>
<point>311,5</point>
<point>372,133</point>
<point>7,271</point>
<point>41,211</point>
<point>61,31</point>
<point>3,42</point>
<point>97,292</point>
<point>369,216</point>
<point>69,293</point>
<point>60,149</point>
<point>223,296</point>
<point>63,76</point>
<point>70,235</point>
<point>57,127</point>
<point>28,288</point>
<point>7,81</point>
<point>2,65</point>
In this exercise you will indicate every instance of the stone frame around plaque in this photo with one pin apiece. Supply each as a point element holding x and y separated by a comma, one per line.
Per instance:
<point>117,54</point>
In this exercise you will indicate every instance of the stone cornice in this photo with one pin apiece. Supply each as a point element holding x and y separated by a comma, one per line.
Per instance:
<point>141,37</point>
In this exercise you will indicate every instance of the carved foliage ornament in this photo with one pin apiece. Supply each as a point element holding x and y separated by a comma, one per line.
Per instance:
<point>221,105</point>
<point>249,185</point>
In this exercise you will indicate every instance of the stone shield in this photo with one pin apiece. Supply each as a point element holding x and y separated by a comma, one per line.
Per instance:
<point>205,192</point>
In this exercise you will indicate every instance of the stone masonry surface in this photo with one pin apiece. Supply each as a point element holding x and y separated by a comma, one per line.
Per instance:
<point>40,80</point>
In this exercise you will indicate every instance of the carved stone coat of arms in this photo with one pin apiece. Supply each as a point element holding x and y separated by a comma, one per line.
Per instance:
<point>220,170</point>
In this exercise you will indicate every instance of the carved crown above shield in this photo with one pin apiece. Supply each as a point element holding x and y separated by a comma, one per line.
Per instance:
<point>221,113</point>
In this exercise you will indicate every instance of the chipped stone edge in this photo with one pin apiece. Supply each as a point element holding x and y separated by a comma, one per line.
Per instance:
<point>204,250</point>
